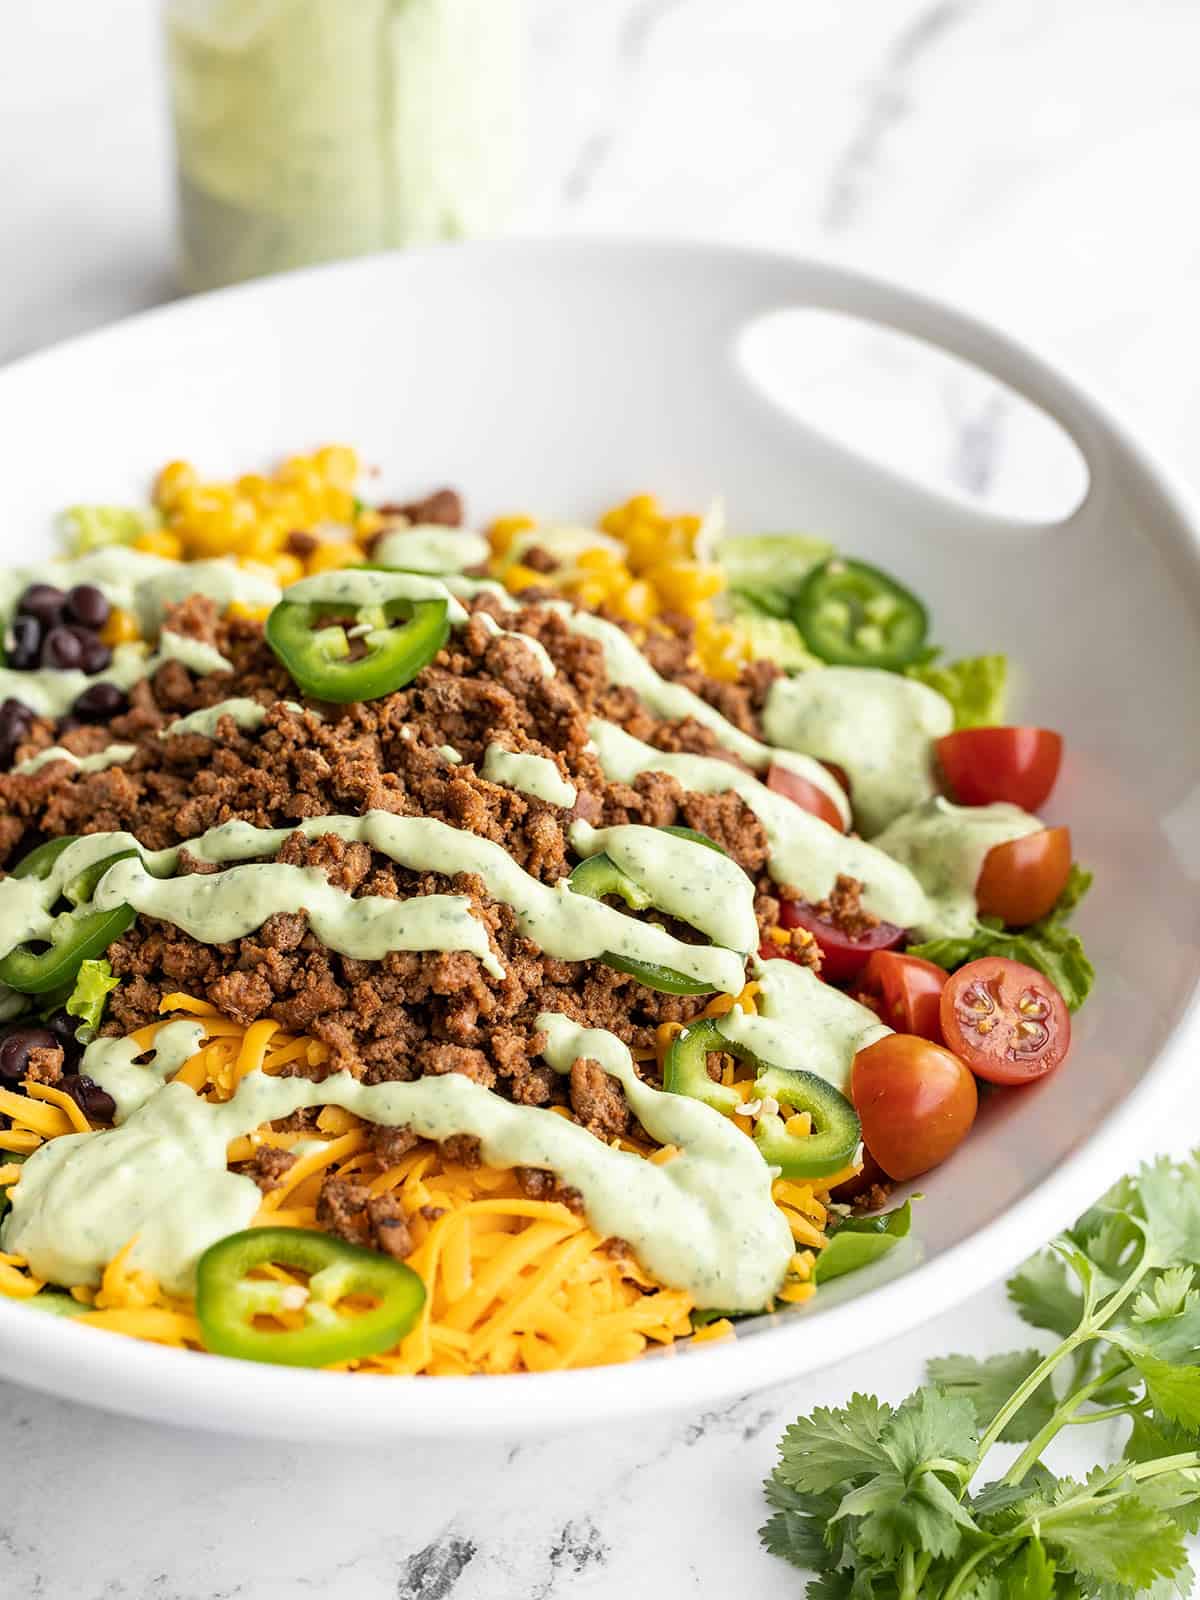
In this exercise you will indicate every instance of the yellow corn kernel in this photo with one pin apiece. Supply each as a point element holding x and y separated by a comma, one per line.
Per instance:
<point>684,585</point>
<point>336,505</point>
<point>253,486</point>
<point>639,603</point>
<point>590,592</point>
<point>121,628</point>
<point>367,522</point>
<point>643,544</point>
<point>639,506</point>
<point>505,529</point>
<point>264,543</point>
<point>160,542</point>
<point>244,613</point>
<point>287,568</point>
<point>174,478</point>
<point>599,559</point>
<point>301,473</point>
<point>332,554</point>
<point>337,464</point>
<point>520,577</point>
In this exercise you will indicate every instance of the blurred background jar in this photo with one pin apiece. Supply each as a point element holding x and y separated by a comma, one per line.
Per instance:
<point>308,130</point>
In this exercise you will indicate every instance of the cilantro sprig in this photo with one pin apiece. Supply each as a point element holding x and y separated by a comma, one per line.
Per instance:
<point>893,1503</point>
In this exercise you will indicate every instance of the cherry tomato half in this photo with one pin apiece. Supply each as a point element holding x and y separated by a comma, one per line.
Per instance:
<point>842,956</point>
<point>1007,1021</point>
<point>907,992</point>
<point>916,1101</point>
<point>1015,764</point>
<point>1020,881</point>
<point>807,795</point>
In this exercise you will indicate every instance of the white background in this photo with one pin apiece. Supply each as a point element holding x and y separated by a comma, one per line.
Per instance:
<point>1032,159</point>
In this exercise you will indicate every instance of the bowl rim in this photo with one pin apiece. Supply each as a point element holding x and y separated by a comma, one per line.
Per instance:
<point>129,1376</point>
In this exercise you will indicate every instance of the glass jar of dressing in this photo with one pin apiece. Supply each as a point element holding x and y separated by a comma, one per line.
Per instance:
<point>308,130</point>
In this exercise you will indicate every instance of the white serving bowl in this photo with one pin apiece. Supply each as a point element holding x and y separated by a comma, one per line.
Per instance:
<point>561,377</point>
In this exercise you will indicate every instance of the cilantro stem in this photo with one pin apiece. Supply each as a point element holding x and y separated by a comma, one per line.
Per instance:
<point>908,1579</point>
<point>1063,1414</point>
<point>1046,1516</point>
<point>1022,1393</point>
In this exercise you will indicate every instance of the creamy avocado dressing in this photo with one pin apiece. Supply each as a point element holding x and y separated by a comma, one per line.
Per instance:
<point>628,666</point>
<point>704,1221</point>
<point>944,845</point>
<point>111,1064</point>
<point>702,887</point>
<point>218,907</point>
<point>114,756</point>
<point>534,775</point>
<point>805,852</point>
<point>429,547</point>
<point>803,1023</point>
<point>246,714</point>
<point>878,726</point>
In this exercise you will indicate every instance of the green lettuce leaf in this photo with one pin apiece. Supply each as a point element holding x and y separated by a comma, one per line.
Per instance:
<point>775,639</point>
<point>89,527</point>
<point>860,1240</point>
<point>771,565</point>
<point>88,998</point>
<point>1049,945</point>
<point>975,687</point>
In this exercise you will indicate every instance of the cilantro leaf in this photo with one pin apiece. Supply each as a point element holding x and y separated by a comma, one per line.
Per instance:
<point>1173,1391</point>
<point>988,1384</point>
<point>824,1450</point>
<point>796,1532</point>
<point>1029,1575</point>
<point>930,1425</point>
<point>1170,1203</point>
<point>1044,1296</point>
<point>1118,1538</point>
<point>1049,945</point>
<point>898,1509</point>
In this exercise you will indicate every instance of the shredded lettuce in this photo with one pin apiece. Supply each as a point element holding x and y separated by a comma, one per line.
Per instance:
<point>770,568</point>
<point>89,527</point>
<point>87,1000</point>
<point>975,687</point>
<point>1049,945</point>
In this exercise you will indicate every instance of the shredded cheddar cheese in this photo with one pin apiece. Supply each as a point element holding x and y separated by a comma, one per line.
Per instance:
<point>513,1284</point>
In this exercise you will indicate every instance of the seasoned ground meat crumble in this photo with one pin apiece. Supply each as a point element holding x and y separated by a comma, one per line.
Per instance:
<point>410,1014</point>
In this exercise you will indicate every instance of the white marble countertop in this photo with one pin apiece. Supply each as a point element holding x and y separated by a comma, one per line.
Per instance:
<point>1031,159</point>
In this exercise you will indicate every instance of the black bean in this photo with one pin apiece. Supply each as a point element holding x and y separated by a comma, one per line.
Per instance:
<point>67,725</point>
<point>24,643</point>
<point>101,701</point>
<point>15,1050</point>
<point>62,648</point>
<point>86,604</point>
<point>15,721</point>
<point>95,1103</point>
<point>96,656</point>
<point>43,601</point>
